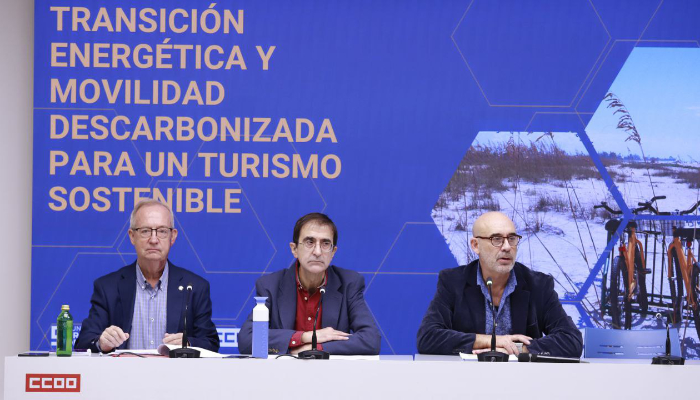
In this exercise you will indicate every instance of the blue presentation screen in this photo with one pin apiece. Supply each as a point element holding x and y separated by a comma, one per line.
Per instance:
<point>401,120</point>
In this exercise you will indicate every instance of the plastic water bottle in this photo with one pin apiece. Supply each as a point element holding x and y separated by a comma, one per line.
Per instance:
<point>64,332</point>
<point>261,325</point>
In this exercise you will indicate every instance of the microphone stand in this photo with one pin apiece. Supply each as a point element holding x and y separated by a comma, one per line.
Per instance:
<point>184,351</point>
<point>493,355</point>
<point>315,353</point>
<point>667,359</point>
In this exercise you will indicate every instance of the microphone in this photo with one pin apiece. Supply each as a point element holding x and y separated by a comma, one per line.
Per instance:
<point>493,355</point>
<point>528,357</point>
<point>315,353</point>
<point>187,302</point>
<point>667,359</point>
<point>314,344</point>
<point>489,283</point>
<point>184,351</point>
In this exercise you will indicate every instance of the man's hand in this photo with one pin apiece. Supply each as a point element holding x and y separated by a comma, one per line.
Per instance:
<point>501,349</point>
<point>505,342</point>
<point>112,337</point>
<point>299,349</point>
<point>325,335</point>
<point>173,338</point>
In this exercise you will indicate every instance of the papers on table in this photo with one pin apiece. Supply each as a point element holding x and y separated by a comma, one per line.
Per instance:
<point>151,352</point>
<point>164,350</point>
<point>333,357</point>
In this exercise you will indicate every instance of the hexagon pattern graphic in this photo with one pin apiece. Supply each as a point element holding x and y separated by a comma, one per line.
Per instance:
<point>85,265</point>
<point>645,127</point>
<point>548,185</point>
<point>411,282</point>
<point>529,35</point>
<point>623,22</point>
<point>103,235</point>
<point>483,65</point>
<point>254,250</point>
<point>643,133</point>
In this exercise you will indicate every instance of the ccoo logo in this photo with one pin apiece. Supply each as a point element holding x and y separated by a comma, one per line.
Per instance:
<point>228,337</point>
<point>52,383</point>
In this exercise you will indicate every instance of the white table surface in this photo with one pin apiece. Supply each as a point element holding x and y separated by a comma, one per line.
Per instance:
<point>428,377</point>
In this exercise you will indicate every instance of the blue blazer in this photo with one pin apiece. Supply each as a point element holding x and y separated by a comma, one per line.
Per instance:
<point>457,314</point>
<point>344,309</point>
<point>113,304</point>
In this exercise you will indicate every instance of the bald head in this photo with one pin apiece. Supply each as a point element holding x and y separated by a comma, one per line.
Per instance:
<point>496,262</point>
<point>492,222</point>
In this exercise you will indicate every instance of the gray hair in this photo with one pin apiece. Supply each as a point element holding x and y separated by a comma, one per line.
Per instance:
<point>148,202</point>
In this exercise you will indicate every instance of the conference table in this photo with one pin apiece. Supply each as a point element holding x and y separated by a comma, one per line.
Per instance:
<point>420,376</point>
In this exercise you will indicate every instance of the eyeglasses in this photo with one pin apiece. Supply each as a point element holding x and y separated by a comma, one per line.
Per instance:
<point>310,243</point>
<point>498,240</point>
<point>145,233</point>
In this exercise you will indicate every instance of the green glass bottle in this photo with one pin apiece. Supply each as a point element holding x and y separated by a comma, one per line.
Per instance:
<point>64,332</point>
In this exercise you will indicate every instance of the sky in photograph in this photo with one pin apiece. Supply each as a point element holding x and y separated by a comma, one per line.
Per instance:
<point>660,87</point>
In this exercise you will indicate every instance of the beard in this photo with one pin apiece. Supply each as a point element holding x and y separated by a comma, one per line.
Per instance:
<point>503,269</point>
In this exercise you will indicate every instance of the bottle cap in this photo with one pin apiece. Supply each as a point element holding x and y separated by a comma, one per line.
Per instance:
<point>65,307</point>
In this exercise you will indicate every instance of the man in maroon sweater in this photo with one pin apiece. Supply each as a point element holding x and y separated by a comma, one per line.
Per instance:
<point>345,324</point>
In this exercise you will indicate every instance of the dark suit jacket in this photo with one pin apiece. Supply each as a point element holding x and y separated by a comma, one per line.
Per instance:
<point>457,314</point>
<point>113,304</point>
<point>344,309</point>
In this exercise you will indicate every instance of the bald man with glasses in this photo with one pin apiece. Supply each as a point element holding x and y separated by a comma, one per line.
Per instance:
<point>345,324</point>
<point>528,314</point>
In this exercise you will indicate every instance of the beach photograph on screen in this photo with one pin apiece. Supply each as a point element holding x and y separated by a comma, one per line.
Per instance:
<point>548,185</point>
<point>644,133</point>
